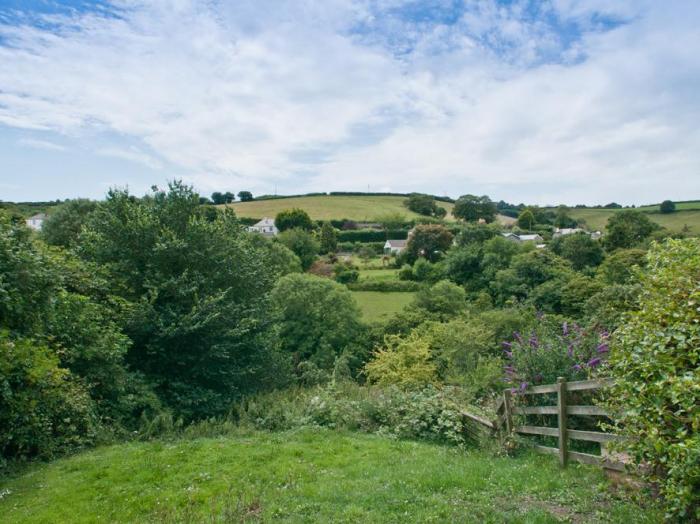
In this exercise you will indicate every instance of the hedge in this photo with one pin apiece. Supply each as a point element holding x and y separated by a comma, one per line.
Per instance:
<point>386,285</point>
<point>372,235</point>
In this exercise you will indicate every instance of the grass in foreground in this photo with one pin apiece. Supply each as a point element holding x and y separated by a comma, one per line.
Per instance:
<point>379,305</point>
<point>307,476</point>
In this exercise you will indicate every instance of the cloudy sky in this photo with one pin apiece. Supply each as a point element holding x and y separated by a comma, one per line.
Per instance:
<point>538,101</point>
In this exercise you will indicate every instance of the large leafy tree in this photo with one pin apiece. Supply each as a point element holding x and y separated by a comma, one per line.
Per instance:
<point>293,219</point>
<point>329,238</point>
<point>430,241</point>
<point>317,318</point>
<point>63,226</point>
<point>579,249</point>
<point>303,244</point>
<point>628,228</point>
<point>199,324</point>
<point>471,208</point>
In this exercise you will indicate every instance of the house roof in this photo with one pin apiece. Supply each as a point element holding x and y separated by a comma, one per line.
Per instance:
<point>265,222</point>
<point>526,238</point>
<point>396,243</point>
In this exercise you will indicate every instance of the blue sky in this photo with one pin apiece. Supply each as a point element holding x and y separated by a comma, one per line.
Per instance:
<point>538,101</point>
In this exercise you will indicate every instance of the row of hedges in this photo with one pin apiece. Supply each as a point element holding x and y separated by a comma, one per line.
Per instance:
<point>386,285</point>
<point>372,235</point>
<point>354,247</point>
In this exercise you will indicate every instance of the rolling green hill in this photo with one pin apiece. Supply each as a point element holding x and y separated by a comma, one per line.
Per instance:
<point>597,218</point>
<point>307,476</point>
<point>361,208</point>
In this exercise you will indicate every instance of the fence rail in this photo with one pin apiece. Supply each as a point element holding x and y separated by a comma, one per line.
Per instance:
<point>505,410</point>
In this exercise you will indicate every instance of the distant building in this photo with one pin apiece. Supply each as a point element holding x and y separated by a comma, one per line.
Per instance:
<point>36,222</point>
<point>394,247</point>
<point>265,227</point>
<point>537,239</point>
<point>595,235</point>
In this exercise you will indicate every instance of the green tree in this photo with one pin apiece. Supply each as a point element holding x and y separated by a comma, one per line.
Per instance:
<point>430,241</point>
<point>421,204</point>
<point>444,299</point>
<point>667,207</point>
<point>579,249</point>
<point>303,244</point>
<point>293,219</point>
<point>245,196</point>
<point>618,267</point>
<point>627,228</point>
<point>654,359</point>
<point>329,238</point>
<point>526,219</point>
<point>199,289</point>
<point>471,208</point>
<point>563,219</point>
<point>229,197</point>
<point>218,198</point>
<point>317,319</point>
<point>404,362</point>
<point>63,226</point>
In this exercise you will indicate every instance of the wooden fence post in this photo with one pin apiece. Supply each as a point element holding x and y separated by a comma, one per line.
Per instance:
<point>561,412</point>
<point>508,411</point>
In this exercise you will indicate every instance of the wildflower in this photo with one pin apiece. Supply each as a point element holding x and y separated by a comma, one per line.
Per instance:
<point>506,344</point>
<point>565,328</point>
<point>523,386</point>
<point>578,367</point>
<point>570,351</point>
<point>594,362</point>
<point>603,348</point>
<point>508,354</point>
<point>517,337</point>
<point>534,343</point>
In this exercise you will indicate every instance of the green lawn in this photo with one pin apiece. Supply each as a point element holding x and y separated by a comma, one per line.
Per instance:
<point>378,275</point>
<point>307,476</point>
<point>379,305</point>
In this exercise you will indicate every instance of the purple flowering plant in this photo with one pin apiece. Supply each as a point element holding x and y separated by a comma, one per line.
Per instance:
<point>554,349</point>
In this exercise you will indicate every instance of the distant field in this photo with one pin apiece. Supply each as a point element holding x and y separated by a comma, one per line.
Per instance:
<point>378,275</point>
<point>378,305</point>
<point>360,208</point>
<point>598,218</point>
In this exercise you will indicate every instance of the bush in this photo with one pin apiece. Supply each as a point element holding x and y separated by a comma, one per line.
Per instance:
<point>667,207</point>
<point>554,349</point>
<point>372,235</point>
<point>293,219</point>
<point>656,365</point>
<point>43,411</point>
<point>385,285</point>
<point>426,414</point>
<point>404,362</point>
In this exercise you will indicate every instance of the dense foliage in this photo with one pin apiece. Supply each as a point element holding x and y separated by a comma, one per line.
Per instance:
<point>471,208</point>
<point>293,219</point>
<point>656,360</point>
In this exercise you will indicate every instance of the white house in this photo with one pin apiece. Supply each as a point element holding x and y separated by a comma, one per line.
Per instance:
<point>394,247</point>
<point>35,222</point>
<point>265,227</point>
<point>595,235</point>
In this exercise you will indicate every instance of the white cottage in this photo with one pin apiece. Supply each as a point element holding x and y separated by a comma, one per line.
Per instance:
<point>265,227</point>
<point>394,247</point>
<point>36,222</point>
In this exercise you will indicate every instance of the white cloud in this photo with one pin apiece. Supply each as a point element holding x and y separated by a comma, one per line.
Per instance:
<point>46,145</point>
<point>258,94</point>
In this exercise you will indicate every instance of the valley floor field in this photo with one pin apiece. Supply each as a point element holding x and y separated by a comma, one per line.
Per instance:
<point>307,476</point>
<point>380,305</point>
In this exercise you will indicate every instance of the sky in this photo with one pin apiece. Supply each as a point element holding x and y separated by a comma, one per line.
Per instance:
<point>543,102</point>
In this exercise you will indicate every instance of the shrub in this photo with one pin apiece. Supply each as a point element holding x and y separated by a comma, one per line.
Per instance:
<point>372,235</point>
<point>554,349</point>
<point>302,244</point>
<point>667,207</point>
<point>404,362</point>
<point>656,364</point>
<point>385,285</point>
<point>43,411</point>
<point>293,219</point>
<point>444,299</point>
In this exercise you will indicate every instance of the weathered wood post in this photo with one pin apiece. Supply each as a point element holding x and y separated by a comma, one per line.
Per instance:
<point>561,415</point>
<point>508,410</point>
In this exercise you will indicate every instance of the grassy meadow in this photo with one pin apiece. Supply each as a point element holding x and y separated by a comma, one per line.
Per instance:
<point>306,476</point>
<point>380,305</point>
<point>361,208</point>
<point>596,219</point>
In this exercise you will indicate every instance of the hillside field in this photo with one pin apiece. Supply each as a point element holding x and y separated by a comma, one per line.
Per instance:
<point>306,476</point>
<point>360,208</point>
<point>380,305</point>
<point>596,219</point>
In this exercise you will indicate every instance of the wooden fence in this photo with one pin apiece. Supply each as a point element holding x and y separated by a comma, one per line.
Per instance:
<point>507,408</point>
